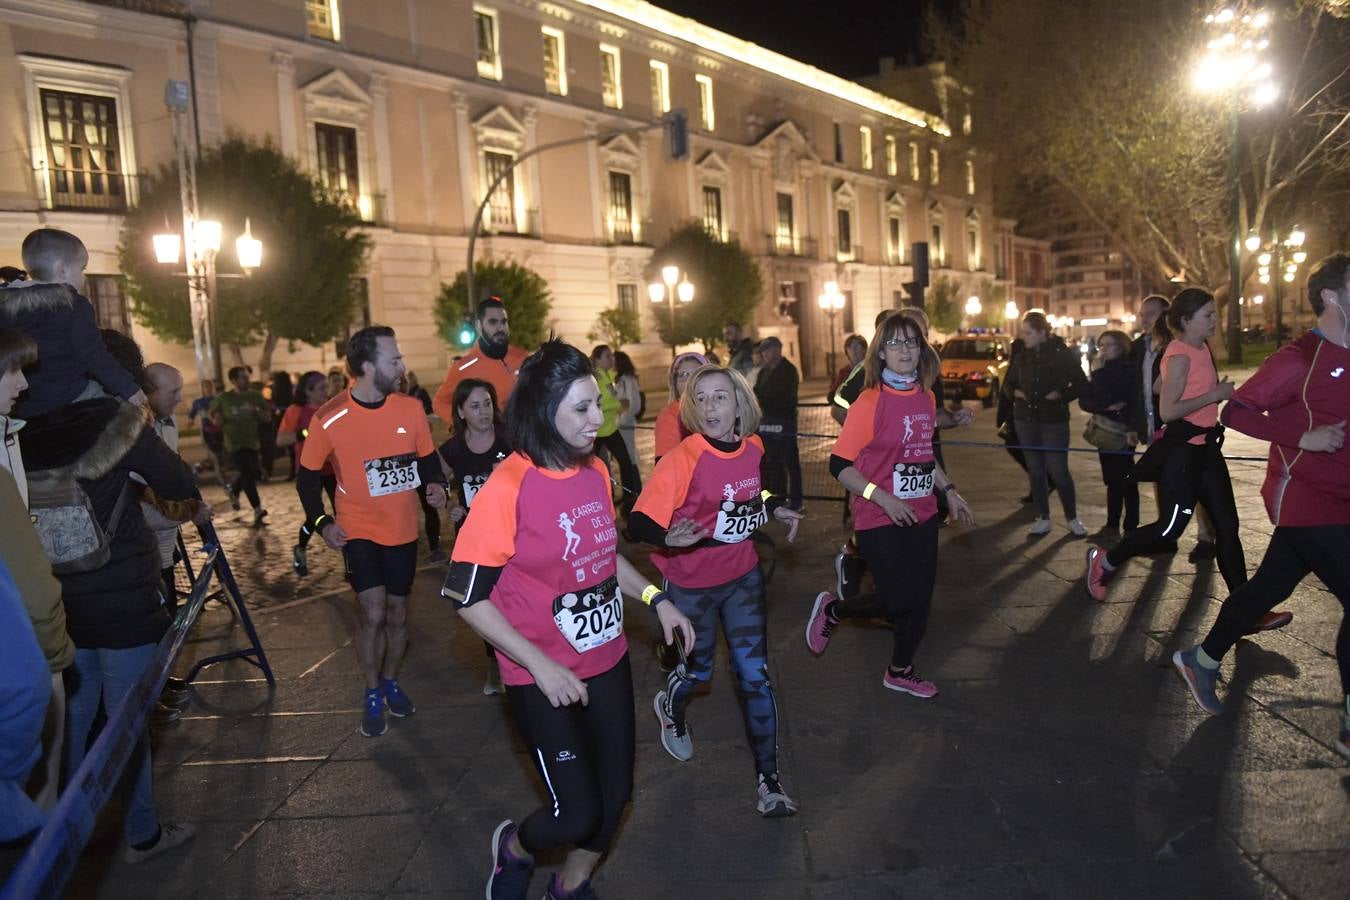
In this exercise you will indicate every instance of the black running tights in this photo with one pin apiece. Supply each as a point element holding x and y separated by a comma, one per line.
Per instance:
<point>1192,474</point>
<point>1323,550</point>
<point>904,564</point>
<point>585,756</point>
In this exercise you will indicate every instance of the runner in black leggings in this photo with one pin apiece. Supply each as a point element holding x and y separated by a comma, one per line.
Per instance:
<point>1298,402</point>
<point>1185,461</point>
<point>543,582</point>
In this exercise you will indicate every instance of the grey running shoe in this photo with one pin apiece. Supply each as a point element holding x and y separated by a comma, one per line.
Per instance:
<point>774,803</point>
<point>675,736</point>
<point>170,836</point>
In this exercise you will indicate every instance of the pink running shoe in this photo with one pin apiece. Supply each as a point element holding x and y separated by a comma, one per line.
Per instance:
<point>1096,576</point>
<point>820,625</point>
<point>909,682</point>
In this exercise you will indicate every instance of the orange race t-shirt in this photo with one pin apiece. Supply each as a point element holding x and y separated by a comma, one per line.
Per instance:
<point>553,536</point>
<point>669,430</point>
<point>1201,377</point>
<point>500,373</point>
<point>888,435</point>
<point>295,420</point>
<point>721,492</point>
<point>374,454</point>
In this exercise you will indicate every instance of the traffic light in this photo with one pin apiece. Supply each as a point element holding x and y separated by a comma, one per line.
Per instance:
<point>677,135</point>
<point>465,336</point>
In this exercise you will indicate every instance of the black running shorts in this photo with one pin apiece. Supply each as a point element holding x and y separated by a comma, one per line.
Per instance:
<point>371,565</point>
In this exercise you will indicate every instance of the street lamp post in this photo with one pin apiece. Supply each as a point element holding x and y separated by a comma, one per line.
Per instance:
<point>1278,261</point>
<point>673,286</point>
<point>832,301</point>
<point>1233,65</point>
<point>1011,313</point>
<point>974,307</point>
<point>201,240</point>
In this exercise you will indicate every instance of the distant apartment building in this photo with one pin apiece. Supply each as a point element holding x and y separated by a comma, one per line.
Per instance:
<point>1095,283</point>
<point>412,109</point>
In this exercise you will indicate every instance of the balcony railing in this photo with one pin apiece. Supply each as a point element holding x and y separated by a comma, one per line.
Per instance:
<point>853,254</point>
<point>86,189</point>
<point>523,222</point>
<point>794,245</point>
<point>628,232</point>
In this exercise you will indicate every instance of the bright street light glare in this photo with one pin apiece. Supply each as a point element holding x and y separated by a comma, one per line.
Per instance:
<point>1297,237</point>
<point>166,249</point>
<point>973,306</point>
<point>686,290</point>
<point>656,292</point>
<point>670,274</point>
<point>1300,257</point>
<point>1263,259</point>
<point>1265,94</point>
<point>1253,242</point>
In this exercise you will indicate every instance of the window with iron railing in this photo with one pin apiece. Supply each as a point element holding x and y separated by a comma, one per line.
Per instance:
<point>712,211</point>
<point>337,160</point>
<point>895,235</point>
<point>785,234</point>
<point>844,223</point>
<point>83,150</point>
<point>108,295</point>
<point>628,297</point>
<point>621,207</point>
<point>502,205</point>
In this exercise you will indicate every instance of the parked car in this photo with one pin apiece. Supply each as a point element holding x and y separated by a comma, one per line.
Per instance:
<point>973,366</point>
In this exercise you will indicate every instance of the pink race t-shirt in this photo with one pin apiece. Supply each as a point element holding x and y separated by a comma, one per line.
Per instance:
<point>718,490</point>
<point>888,435</point>
<point>553,535</point>
<point>1201,377</point>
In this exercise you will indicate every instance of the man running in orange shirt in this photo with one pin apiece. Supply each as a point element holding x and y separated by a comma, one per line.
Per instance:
<point>380,446</point>
<point>493,359</point>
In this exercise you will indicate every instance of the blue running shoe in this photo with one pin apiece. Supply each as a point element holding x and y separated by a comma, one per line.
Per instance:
<point>394,698</point>
<point>510,877</point>
<point>1200,680</point>
<point>580,892</point>
<point>372,718</point>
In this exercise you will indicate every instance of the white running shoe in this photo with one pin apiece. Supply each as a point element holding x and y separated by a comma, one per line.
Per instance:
<point>1077,528</point>
<point>773,801</point>
<point>1039,527</point>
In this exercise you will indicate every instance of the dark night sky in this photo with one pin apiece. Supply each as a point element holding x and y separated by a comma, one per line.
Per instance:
<point>845,37</point>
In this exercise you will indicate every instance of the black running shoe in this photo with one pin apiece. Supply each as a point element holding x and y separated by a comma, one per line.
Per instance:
<point>848,573</point>
<point>299,561</point>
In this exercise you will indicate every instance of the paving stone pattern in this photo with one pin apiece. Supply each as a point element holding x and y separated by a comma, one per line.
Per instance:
<point>1061,759</point>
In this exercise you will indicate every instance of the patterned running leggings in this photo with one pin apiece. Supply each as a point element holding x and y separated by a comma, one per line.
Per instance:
<point>739,606</point>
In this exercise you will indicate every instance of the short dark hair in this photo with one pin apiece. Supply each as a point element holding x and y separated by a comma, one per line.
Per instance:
<point>1155,298</point>
<point>236,371</point>
<point>623,364</point>
<point>46,247</point>
<point>363,347</point>
<point>12,273</point>
<point>598,350</point>
<point>1185,305</point>
<point>17,350</point>
<point>1036,319</point>
<point>489,303</point>
<point>126,352</point>
<point>462,392</point>
<point>543,382</point>
<point>1327,274</point>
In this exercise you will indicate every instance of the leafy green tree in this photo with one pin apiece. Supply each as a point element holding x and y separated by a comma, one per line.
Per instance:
<point>616,326</point>
<point>943,306</point>
<point>727,286</point>
<point>1094,107</point>
<point>523,291</point>
<point>313,250</point>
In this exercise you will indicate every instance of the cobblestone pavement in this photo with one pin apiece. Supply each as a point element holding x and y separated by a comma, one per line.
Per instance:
<point>1062,758</point>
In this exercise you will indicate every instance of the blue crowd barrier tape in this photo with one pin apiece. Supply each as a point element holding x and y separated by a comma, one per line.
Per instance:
<point>51,857</point>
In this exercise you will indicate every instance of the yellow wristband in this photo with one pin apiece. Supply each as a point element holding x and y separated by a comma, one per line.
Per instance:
<point>649,593</point>
<point>867,491</point>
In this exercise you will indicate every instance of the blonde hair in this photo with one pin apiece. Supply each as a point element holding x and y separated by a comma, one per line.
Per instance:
<point>896,325</point>
<point>747,407</point>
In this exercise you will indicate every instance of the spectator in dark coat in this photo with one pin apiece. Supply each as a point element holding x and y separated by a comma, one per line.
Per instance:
<point>1113,395</point>
<point>776,391</point>
<point>115,614</point>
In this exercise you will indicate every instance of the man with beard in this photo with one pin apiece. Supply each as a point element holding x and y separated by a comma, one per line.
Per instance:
<point>380,446</point>
<point>493,359</point>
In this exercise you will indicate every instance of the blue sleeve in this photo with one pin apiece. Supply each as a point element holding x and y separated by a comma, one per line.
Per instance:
<point>87,343</point>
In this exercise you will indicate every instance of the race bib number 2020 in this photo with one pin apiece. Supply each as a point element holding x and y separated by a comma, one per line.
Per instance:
<point>392,475</point>
<point>590,617</point>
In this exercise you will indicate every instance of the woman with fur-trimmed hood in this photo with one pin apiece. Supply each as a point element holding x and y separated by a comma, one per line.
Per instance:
<point>115,614</point>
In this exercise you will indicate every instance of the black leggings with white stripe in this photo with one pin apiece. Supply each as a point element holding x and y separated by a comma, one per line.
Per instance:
<point>1192,474</point>
<point>585,756</point>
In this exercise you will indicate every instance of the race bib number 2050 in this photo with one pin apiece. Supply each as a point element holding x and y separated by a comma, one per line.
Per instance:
<point>392,475</point>
<point>591,616</point>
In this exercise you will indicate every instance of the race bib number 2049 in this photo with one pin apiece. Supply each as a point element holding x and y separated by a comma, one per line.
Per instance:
<point>910,481</point>
<point>392,475</point>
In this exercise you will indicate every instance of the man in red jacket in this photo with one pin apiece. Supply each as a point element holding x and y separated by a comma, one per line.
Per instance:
<point>1300,402</point>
